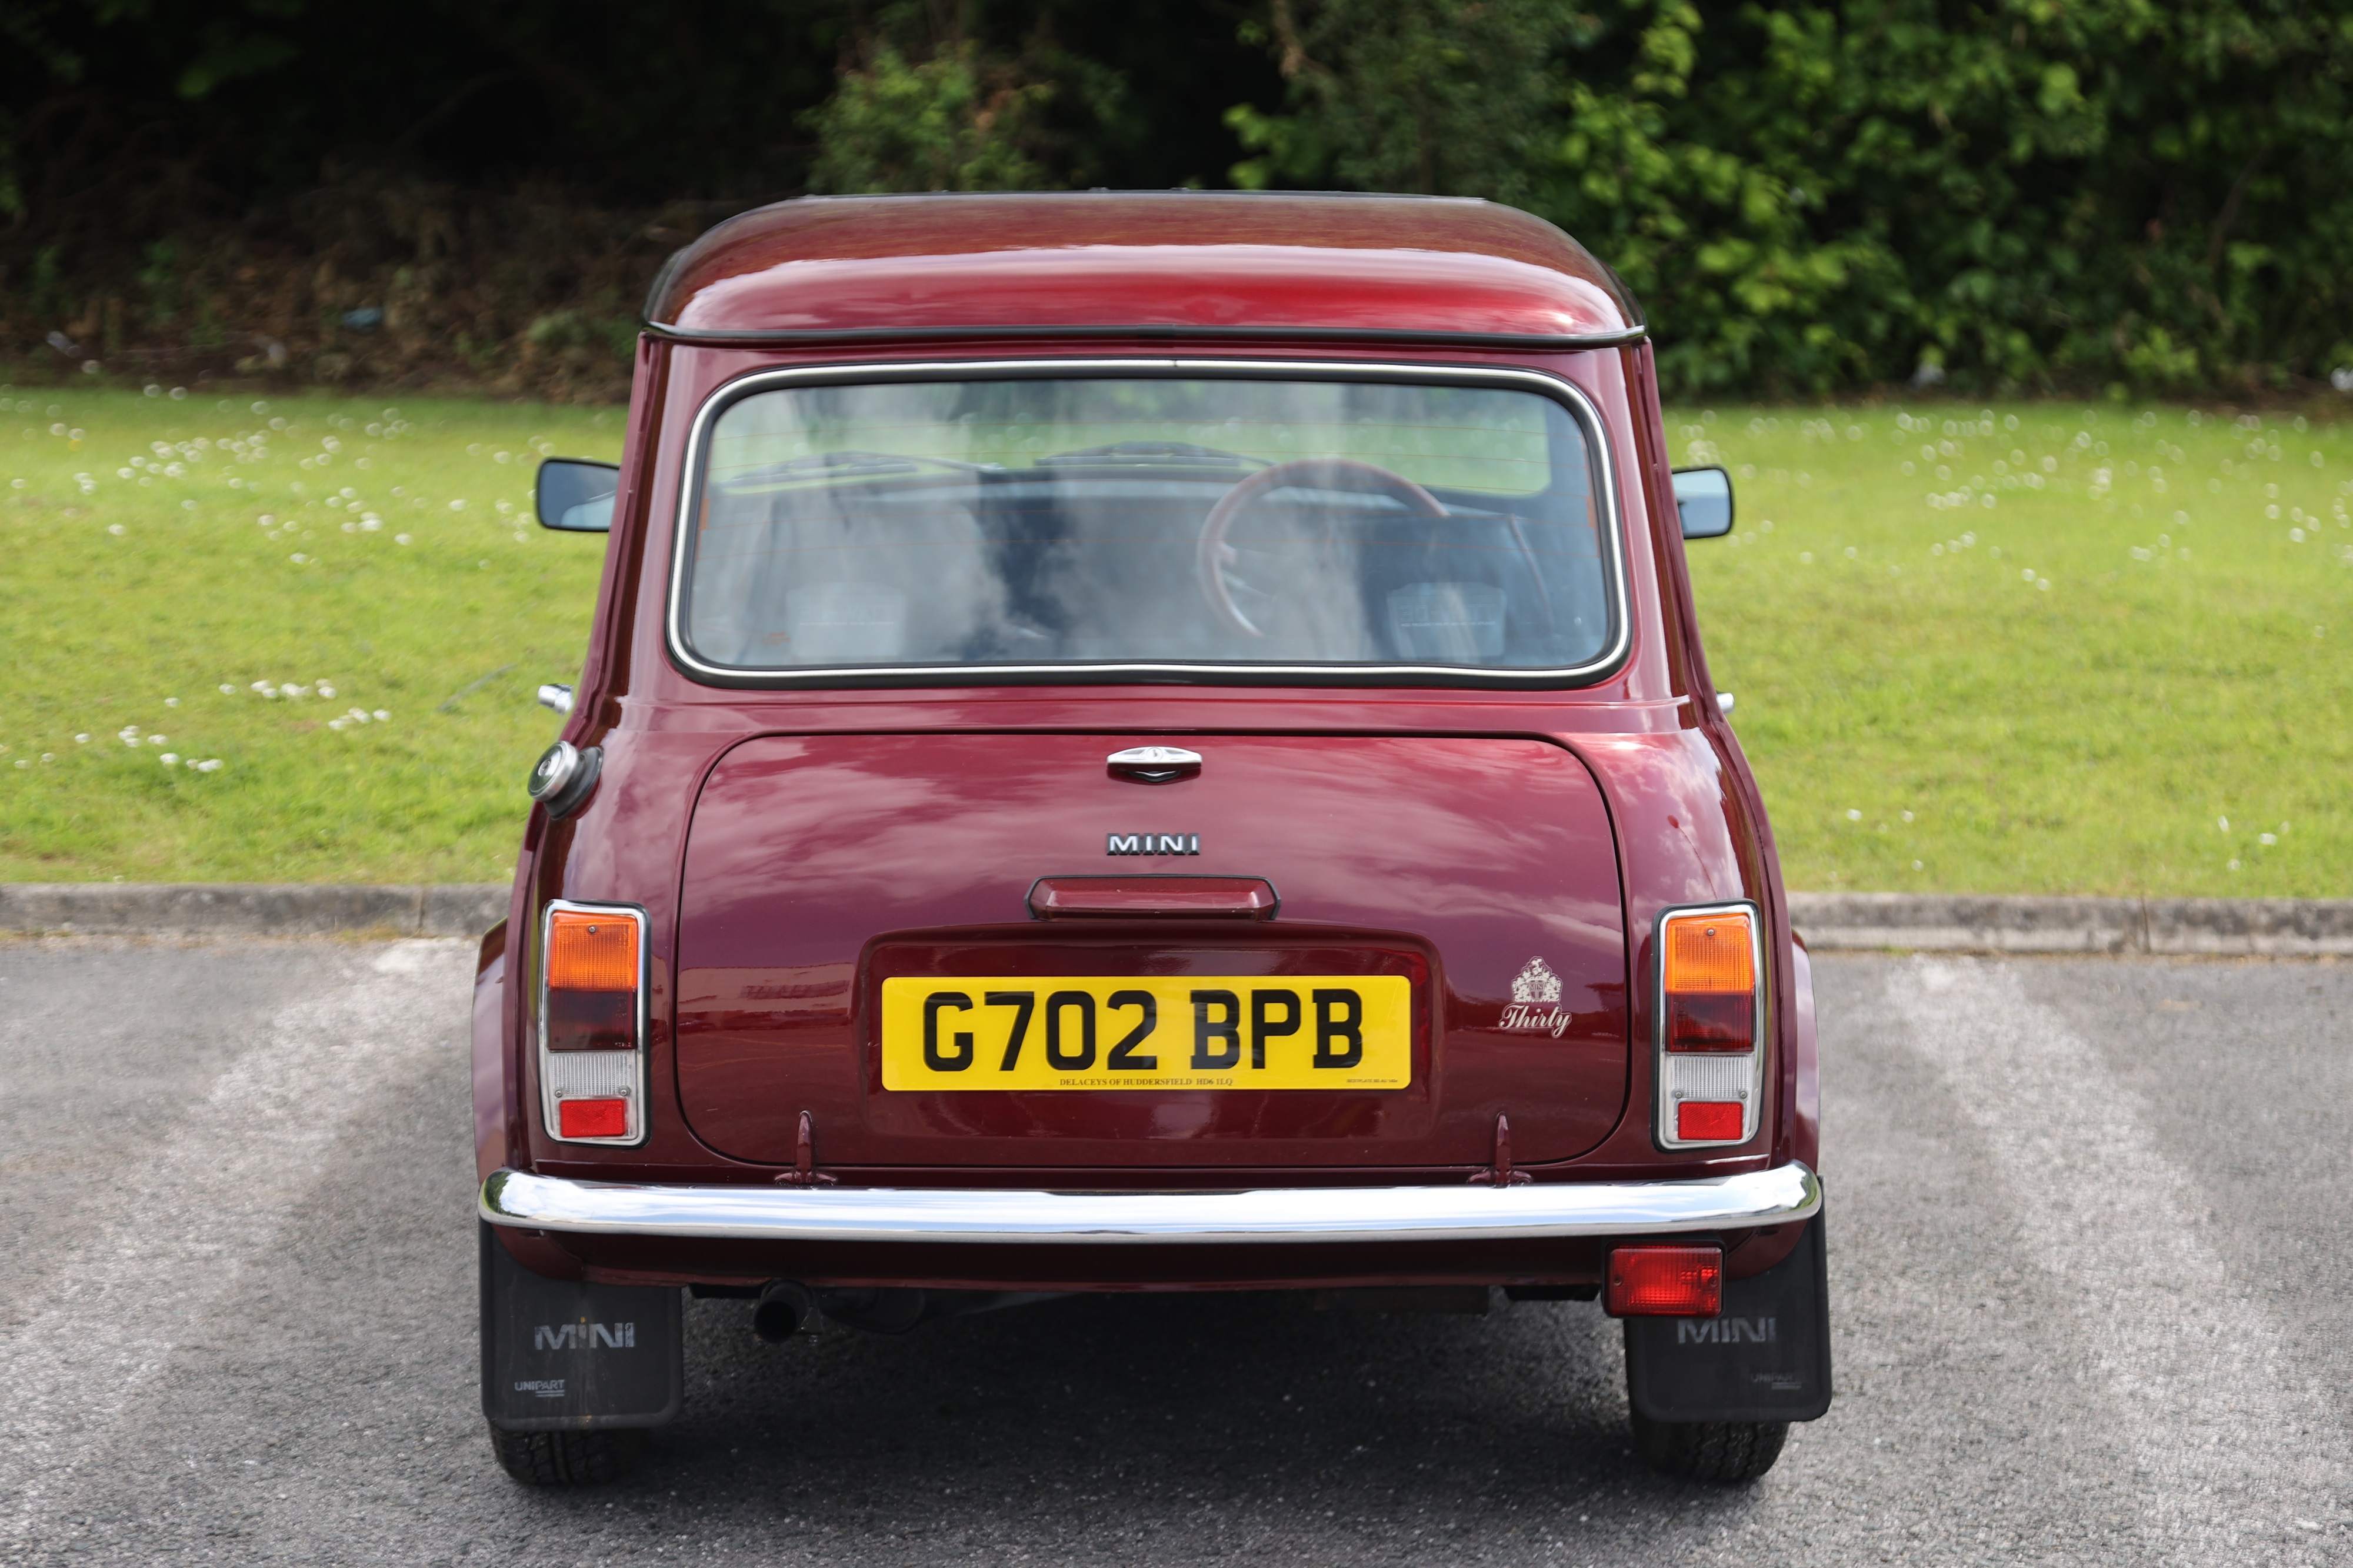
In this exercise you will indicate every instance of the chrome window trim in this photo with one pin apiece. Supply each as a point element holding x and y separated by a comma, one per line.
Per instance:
<point>1458,1211</point>
<point>638,1110</point>
<point>1603,464</point>
<point>1752,1112</point>
<point>797,337</point>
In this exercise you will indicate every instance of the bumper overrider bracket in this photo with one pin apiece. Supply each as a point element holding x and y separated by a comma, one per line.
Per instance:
<point>1287,1215</point>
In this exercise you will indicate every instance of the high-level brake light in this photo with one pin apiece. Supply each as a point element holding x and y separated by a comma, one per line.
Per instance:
<point>592,1024</point>
<point>1710,1012</point>
<point>1665,1282</point>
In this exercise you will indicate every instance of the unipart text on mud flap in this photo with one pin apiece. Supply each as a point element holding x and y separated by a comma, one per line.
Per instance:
<point>565,1356</point>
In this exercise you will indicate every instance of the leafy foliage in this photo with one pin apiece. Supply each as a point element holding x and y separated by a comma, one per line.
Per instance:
<point>938,126</point>
<point>2008,192</point>
<point>2005,194</point>
<point>926,106</point>
<point>443,194</point>
<point>1431,96</point>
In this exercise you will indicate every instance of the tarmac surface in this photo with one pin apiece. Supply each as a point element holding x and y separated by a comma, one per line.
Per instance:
<point>2093,1300</point>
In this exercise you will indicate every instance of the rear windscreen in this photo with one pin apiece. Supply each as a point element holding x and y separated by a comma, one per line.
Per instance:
<point>1124,520</point>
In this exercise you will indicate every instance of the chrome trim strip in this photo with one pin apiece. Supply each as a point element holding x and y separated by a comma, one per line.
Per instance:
<point>1548,343</point>
<point>1752,1115</point>
<point>640,1101</point>
<point>912,1215</point>
<point>1580,406</point>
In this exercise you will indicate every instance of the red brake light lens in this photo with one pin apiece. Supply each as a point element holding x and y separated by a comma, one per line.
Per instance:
<point>591,1118</point>
<point>1665,1282</point>
<point>592,1020</point>
<point>1711,1023</point>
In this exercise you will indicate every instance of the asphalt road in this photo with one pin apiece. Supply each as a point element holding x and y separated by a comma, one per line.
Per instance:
<point>2087,1248</point>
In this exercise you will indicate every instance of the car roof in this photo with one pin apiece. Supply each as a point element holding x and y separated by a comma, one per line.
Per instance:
<point>1189,264</point>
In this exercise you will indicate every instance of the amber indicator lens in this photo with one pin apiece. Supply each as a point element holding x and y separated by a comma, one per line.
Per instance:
<point>1665,1282</point>
<point>591,1118</point>
<point>1710,984</point>
<point>591,952</point>
<point>1710,953</point>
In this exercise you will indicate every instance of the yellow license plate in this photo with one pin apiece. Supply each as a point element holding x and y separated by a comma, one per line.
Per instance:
<point>1218,1031</point>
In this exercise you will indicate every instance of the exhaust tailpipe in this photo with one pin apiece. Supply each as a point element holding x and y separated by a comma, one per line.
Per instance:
<point>785,1306</point>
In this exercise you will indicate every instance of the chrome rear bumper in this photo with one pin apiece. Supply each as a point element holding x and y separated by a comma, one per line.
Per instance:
<point>909,1214</point>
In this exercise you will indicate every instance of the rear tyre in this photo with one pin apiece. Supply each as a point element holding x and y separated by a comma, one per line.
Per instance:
<point>568,1458</point>
<point>1725,1453</point>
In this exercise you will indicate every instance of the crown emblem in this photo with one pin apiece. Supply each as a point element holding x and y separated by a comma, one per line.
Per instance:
<point>1536,986</point>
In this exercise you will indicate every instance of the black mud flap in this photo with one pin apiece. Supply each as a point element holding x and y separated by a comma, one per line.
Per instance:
<point>1766,1357</point>
<point>564,1355</point>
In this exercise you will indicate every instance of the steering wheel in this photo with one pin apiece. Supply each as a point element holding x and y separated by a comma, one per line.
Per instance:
<point>1215,555</point>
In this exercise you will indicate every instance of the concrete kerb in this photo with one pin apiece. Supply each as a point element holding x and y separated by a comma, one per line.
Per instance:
<point>249,909</point>
<point>2279,927</point>
<point>2268,928</point>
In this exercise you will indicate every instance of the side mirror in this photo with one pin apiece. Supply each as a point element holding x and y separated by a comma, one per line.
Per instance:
<point>576,496</point>
<point>1704,497</point>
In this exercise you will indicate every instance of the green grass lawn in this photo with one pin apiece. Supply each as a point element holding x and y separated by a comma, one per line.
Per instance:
<point>266,573</point>
<point>2039,648</point>
<point>2030,647</point>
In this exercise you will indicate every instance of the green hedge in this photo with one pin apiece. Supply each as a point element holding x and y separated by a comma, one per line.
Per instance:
<point>2003,195</point>
<point>2006,193</point>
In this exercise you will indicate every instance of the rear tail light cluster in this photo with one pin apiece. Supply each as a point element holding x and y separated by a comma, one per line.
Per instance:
<point>1711,1026</point>
<point>592,1023</point>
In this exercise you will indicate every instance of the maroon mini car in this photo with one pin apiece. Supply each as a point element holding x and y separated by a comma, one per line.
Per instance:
<point>1143,742</point>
